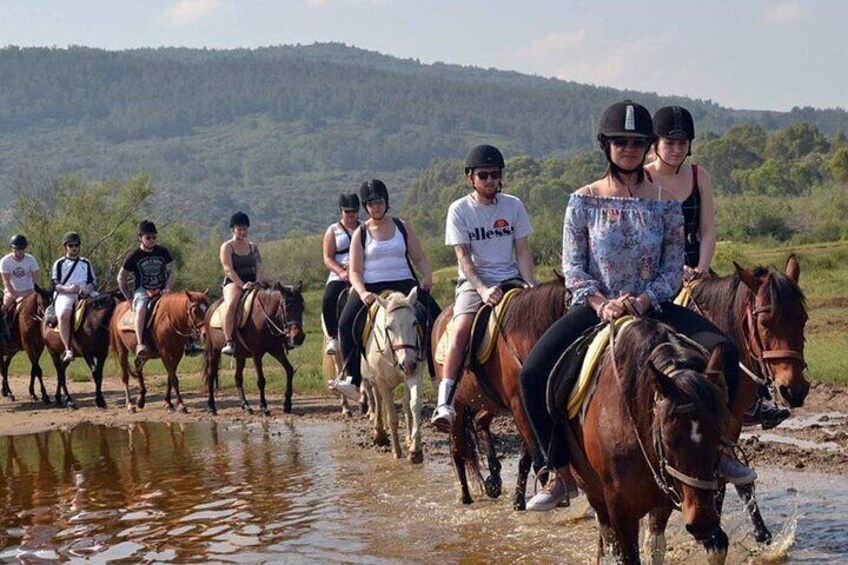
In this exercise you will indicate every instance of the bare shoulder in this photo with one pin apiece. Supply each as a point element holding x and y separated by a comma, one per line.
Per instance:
<point>588,190</point>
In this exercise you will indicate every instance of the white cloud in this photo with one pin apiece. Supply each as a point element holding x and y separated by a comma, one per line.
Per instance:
<point>187,12</point>
<point>784,13</point>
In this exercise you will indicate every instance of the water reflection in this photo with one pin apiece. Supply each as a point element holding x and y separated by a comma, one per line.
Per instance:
<point>280,491</point>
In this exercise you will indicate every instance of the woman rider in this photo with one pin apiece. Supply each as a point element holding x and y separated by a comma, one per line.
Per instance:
<point>622,241</point>
<point>336,246</point>
<point>692,186</point>
<point>242,263</point>
<point>382,252</point>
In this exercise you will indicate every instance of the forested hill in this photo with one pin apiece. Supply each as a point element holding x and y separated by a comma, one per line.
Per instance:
<point>279,131</point>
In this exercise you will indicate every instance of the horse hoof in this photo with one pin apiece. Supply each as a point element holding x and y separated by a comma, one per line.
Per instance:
<point>763,537</point>
<point>466,499</point>
<point>131,409</point>
<point>416,457</point>
<point>33,398</point>
<point>183,409</point>
<point>381,439</point>
<point>101,403</point>
<point>287,407</point>
<point>247,409</point>
<point>492,486</point>
<point>140,403</point>
<point>347,413</point>
<point>169,408</point>
<point>519,504</point>
<point>265,412</point>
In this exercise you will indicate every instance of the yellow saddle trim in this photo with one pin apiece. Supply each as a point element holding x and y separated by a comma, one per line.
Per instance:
<point>487,345</point>
<point>79,314</point>
<point>127,321</point>
<point>684,297</point>
<point>217,318</point>
<point>586,380</point>
<point>372,314</point>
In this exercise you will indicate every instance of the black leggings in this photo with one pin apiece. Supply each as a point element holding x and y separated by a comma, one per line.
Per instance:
<point>352,322</point>
<point>330,306</point>
<point>578,319</point>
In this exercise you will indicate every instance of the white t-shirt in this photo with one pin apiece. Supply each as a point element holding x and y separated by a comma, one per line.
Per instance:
<point>20,272</point>
<point>83,274</point>
<point>491,230</point>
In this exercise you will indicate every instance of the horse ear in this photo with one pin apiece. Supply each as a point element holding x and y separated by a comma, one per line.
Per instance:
<point>792,268</point>
<point>664,384</point>
<point>298,288</point>
<point>413,295</point>
<point>382,301</point>
<point>750,280</point>
<point>206,292</point>
<point>188,295</point>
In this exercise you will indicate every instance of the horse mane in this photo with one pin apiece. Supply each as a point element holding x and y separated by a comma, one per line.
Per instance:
<point>536,309</point>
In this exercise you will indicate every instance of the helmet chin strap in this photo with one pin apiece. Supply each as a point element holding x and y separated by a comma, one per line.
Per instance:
<point>677,169</point>
<point>616,170</point>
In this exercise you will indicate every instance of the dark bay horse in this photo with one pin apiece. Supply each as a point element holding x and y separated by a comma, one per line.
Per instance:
<point>26,336</point>
<point>526,318</point>
<point>648,441</point>
<point>90,341</point>
<point>764,312</point>
<point>174,319</point>
<point>274,326</point>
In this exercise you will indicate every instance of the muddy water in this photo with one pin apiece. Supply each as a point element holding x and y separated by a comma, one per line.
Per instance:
<point>302,493</point>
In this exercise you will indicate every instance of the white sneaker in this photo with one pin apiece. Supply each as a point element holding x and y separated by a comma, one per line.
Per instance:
<point>332,346</point>
<point>228,348</point>
<point>68,357</point>
<point>443,417</point>
<point>554,494</point>
<point>734,472</point>
<point>345,387</point>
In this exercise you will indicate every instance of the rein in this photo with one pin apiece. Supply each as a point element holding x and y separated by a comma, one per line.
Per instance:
<point>193,329</point>
<point>275,329</point>
<point>663,468</point>
<point>758,352</point>
<point>395,347</point>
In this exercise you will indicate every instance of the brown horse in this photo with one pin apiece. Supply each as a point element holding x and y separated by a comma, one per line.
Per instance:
<point>90,341</point>
<point>494,388</point>
<point>648,441</point>
<point>173,320</point>
<point>26,336</point>
<point>275,326</point>
<point>764,313</point>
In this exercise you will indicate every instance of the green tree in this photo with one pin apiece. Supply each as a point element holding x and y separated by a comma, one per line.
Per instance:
<point>795,142</point>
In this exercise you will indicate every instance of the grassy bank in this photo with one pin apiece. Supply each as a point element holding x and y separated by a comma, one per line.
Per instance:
<point>824,279</point>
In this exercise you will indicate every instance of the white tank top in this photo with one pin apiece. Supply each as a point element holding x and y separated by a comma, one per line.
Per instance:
<point>385,260</point>
<point>343,243</point>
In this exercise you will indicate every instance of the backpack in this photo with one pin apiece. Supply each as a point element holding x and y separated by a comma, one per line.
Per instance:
<point>363,233</point>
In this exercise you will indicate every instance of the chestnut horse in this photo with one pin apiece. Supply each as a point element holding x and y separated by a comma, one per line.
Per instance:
<point>90,341</point>
<point>26,336</point>
<point>763,311</point>
<point>275,326</point>
<point>172,321</point>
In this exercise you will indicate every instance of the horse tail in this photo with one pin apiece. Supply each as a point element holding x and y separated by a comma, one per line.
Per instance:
<point>211,382</point>
<point>464,445</point>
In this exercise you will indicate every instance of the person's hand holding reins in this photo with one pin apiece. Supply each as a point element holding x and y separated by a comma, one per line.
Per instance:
<point>614,308</point>
<point>368,298</point>
<point>491,295</point>
<point>248,286</point>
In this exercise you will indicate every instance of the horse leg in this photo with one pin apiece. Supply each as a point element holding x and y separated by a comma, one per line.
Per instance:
<point>287,401</point>
<point>392,417</point>
<point>525,461</point>
<point>606,536</point>
<point>626,528</point>
<point>260,384</point>
<point>142,389</point>
<point>37,373</point>
<point>493,483</point>
<point>240,363</point>
<point>171,363</point>
<point>761,532</point>
<point>213,361</point>
<point>63,396</point>
<point>97,373</point>
<point>412,408</point>
<point>4,367</point>
<point>123,363</point>
<point>655,536</point>
<point>462,452</point>
<point>380,437</point>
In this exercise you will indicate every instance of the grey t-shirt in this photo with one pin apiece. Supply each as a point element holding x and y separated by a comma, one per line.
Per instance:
<point>20,272</point>
<point>491,230</point>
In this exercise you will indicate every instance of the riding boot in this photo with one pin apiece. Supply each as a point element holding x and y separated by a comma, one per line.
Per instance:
<point>444,414</point>
<point>765,411</point>
<point>192,349</point>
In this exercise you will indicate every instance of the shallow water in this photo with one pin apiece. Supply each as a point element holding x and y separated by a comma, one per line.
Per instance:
<point>303,493</point>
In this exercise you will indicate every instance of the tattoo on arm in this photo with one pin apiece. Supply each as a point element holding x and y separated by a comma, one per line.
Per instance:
<point>469,269</point>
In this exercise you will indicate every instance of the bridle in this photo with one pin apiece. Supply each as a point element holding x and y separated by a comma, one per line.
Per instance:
<point>395,347</point>
<point>195,322</point>
<point>758,352</point>
<point>282,312</point>
<point>663,472</point>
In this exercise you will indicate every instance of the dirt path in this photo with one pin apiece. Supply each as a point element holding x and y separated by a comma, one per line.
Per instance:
<point>820,429</point>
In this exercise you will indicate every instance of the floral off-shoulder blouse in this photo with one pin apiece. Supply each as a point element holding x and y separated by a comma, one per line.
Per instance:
<point>613,245</point>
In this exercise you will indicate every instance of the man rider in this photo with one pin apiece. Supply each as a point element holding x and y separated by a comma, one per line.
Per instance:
<point>72,276</point>
<point>20,271</point>
<point>488,231</point>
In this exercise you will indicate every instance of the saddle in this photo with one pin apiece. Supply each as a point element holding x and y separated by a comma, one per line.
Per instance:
<point>573,379</point>
<point>79,315</point>
<point>245,306</point>
<point>370,316</point>
<point>484,331</point>
<point>127,321</point>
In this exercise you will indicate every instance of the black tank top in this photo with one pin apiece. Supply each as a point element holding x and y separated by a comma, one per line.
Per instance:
<point>692,222</point>
<point>244,265</point>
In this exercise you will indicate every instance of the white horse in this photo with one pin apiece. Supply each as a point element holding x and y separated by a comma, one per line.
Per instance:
<point>394,355</point>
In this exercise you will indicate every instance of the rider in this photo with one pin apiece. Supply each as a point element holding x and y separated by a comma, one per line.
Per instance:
<point>692,185</point>
<point>336,247</point>
<point>153,269</point>
<point>485,228</point>
<point>382,252</point>
<point>20,273</point>
<point>242,264</point>
<point>622,243</point>
<point>73,277</point>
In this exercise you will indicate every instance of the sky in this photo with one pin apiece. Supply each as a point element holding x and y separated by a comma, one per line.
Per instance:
<point>754,54</point>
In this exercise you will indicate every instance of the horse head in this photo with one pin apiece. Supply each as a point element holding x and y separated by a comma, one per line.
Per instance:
<point>43,298</point>
<point>400,329</point>
<point>689,413</point>
<point>776,314</point>
<point>289,314</point>
<point>197,303</point>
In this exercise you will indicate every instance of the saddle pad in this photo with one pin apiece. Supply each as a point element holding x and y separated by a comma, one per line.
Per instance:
<point>586,379</point>
<point>127,321</point>
<point>246,305</point>
<point>487,339</point>
<point>372,314</point>
<point>79,315</point>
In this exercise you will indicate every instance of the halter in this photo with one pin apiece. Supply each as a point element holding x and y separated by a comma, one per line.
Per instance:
<point>276,330</point>
<point>194,326</point>
<point>395,347</point>
<point>758,352</point>
<point>663,469</point>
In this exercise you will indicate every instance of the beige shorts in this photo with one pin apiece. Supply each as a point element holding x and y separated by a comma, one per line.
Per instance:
<point>467,300</point>
<point>64,302</point>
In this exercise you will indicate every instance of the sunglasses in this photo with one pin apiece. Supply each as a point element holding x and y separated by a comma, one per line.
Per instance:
<point>72,245</point>
<point>486,175</point>
<point>622,142</point>
<point>149,237</point>
<point>376,202</point>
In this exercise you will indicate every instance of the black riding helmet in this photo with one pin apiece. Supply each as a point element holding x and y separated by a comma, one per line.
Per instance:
<point>71,237</point>
<point>674,122</point>
<point>625,119</point>
<point>146,227</point>
<point>19,241</point>
<point>348,201</point>
<point>373,189</point>
<point>483,156</point>
<point>239,219</point>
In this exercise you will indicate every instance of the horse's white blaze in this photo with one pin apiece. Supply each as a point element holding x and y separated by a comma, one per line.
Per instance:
<point>695,435</point>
